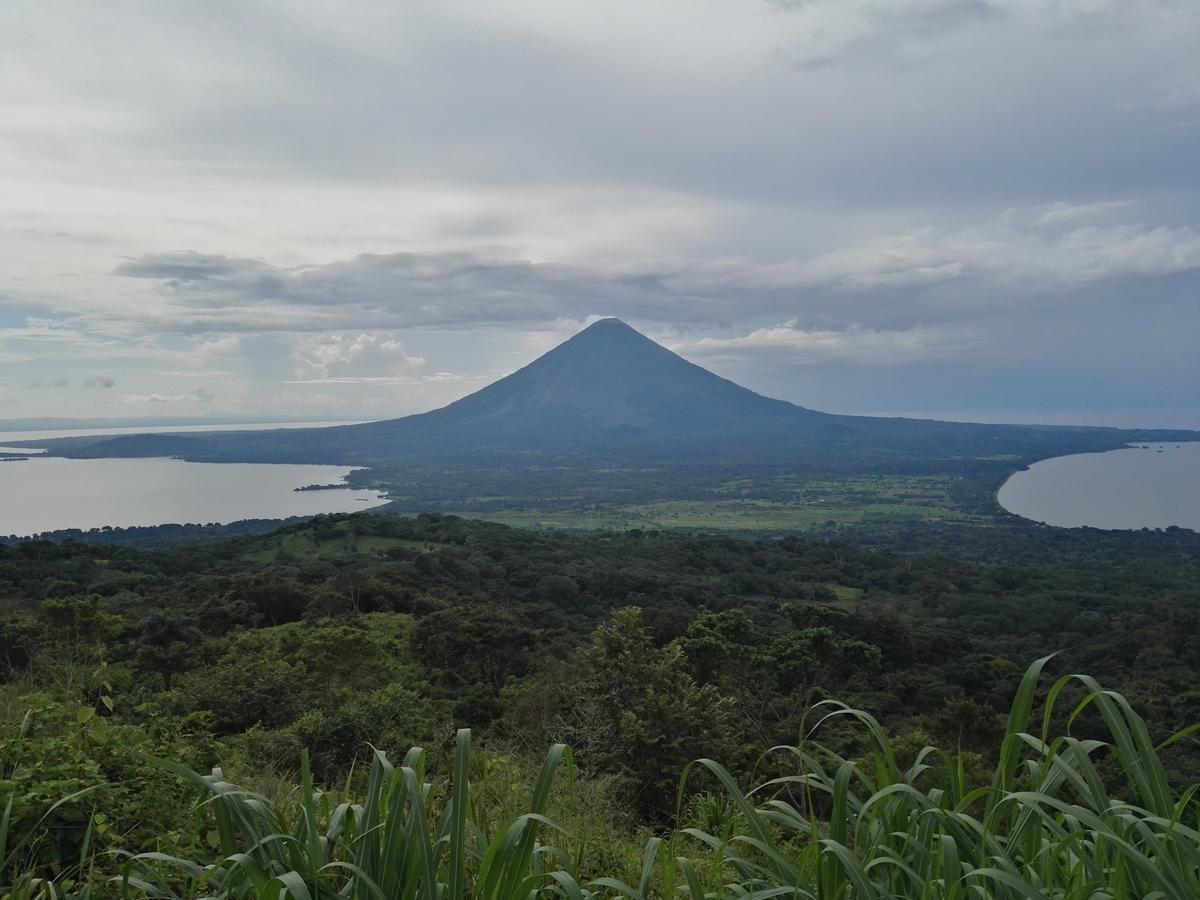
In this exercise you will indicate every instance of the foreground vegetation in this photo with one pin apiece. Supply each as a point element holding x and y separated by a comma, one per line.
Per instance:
<point>343,642</point>
<point>1047,824</point>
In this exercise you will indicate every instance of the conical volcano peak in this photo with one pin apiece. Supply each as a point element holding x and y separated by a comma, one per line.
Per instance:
<point>610,325</point>
<point>610,331</point>
<point>614,349</point>
<point>609,377</point>
<point>608,322</point>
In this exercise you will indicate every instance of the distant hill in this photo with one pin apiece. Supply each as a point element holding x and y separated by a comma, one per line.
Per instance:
<point>611,395</point>
<point>58,423</point>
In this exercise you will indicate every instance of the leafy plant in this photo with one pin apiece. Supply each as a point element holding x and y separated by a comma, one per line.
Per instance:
<point>1047,826</point>
<point>404,838</point>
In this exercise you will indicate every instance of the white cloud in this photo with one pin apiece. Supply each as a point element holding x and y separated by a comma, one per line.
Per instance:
<point>195,395</point>
<point>854,344</point>
<point>211,373</point>
<point>351,379</point>
<point>336,357</point>
<point>1061,212</point>
<point>224,345</point>
<point>1054,250</point>
<point>42,331</point>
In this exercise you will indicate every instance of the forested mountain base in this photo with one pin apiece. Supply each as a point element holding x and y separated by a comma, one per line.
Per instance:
<point>642,651</point>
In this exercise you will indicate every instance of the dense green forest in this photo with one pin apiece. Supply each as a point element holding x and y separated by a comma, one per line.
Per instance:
<point>332,640</point>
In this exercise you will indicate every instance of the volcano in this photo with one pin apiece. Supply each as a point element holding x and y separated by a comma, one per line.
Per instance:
<point>611,396</point>
<point>608,382</point>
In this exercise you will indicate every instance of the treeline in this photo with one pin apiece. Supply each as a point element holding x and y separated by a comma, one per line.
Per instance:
<point>153,537</point>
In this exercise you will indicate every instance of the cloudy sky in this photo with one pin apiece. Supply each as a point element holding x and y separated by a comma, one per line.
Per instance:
<point>979,209</point>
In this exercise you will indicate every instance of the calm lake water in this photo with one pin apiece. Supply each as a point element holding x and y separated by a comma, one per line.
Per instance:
<point>46,494</point>
<point>1130,488</point>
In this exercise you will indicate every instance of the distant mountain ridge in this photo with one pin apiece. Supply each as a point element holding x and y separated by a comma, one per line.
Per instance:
<point>610,395</point>
<point>60,423</point>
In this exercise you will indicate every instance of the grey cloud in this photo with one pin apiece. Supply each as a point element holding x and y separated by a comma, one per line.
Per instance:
<point>938,273</point>
<point>854,344</point>
<point>890,21</point>
<point>531,111</point>
<point>57,383</point>
<point>99,381</point>
<point>897,19</point>
<point>405,289</point>
<point>182,271</point>
<point>183,268</point>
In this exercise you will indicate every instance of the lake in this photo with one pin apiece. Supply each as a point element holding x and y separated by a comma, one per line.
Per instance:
<point>48,493</point>
<point>1143,486</point>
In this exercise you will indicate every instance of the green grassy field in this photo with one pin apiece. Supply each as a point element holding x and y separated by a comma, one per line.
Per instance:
<point>784,503</point>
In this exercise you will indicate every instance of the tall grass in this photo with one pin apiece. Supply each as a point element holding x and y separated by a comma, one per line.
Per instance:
<point>1049,825</point>
<point>1046,827</point>
<point>399,841</point>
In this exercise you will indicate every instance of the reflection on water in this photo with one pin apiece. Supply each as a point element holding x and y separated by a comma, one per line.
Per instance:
<point>47,494</point>
<point>1144,486</point>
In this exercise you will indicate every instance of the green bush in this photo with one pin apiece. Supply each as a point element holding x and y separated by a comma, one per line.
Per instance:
<point>74,775</point>
<point>1047,825</point>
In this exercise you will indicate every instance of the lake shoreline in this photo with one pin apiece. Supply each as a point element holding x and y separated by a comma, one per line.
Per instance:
<point>52,494</point>
<point>1144,485</point>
